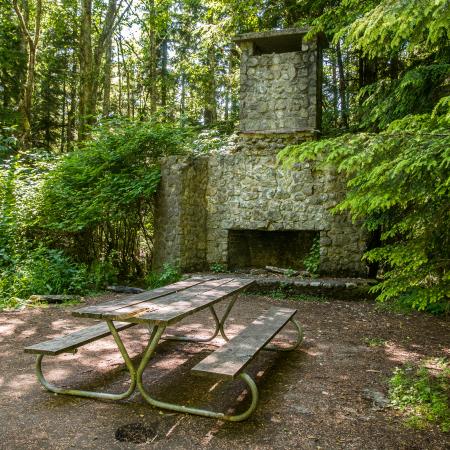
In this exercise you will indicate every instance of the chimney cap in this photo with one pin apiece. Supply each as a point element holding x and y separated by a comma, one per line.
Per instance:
<point>276,41</point>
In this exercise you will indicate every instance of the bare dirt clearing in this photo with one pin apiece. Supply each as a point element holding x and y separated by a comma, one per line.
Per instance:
<point>317,397</point>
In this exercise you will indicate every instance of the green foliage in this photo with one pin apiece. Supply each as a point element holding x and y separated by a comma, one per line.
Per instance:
<point>110,176</point>
<point>399,182</point>
<point>424,398</point>
<point>169,274</point>
<point>98,200</point>
<point>218,268</point>
<point>282,293</point>
<point>41,271</point>
<point>388,100</point>
<point>312,260</point>
<point>374,342</point>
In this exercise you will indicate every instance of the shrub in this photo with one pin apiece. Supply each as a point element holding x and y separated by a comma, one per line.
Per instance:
<point>421,396</point>
<point>97,203</point>
<point>398,183</point>
<point>169,274</point>
<point>42,271</point>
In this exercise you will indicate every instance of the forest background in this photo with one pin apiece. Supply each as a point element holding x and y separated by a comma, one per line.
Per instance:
<point>93,92</point>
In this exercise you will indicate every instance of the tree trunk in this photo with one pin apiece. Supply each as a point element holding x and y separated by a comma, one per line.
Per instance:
<point>107,78</point>
<point>28,87</point>
<point>164,58</point>
<point>152,57</point>
<point>90,62</point>
<point>335,91</point>
<point>210,111</point>
<point>86,107</point>
<point>342,87</point>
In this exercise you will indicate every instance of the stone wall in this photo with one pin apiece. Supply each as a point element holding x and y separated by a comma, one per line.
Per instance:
<point>201,198</point>
<point>180,213</point>
<point>279,91</point>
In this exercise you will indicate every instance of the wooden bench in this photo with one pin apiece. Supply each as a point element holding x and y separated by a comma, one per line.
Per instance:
<point>70,342</point>
<point>230,360</point>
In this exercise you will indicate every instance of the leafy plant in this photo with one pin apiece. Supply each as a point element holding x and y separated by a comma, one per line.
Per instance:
<point>374,342</point>
<point>398,182</point>
<point>312,260</point>
<point>218,268</point>
<point>98,200</point>
<point>169,274</point>
<point>423,398</point>
<point>42,271</point>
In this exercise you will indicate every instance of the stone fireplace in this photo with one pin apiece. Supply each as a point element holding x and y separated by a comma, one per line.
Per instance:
<point>237,207</point>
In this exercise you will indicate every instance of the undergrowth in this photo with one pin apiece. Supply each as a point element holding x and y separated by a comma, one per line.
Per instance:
<point>282,294</point>
<point>168,274</point>
<point>421,396</point>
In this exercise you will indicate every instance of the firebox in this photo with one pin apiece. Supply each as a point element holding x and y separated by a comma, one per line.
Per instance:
<point>260,248</point>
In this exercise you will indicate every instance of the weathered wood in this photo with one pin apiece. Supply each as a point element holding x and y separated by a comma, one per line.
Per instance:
<point>96,311</point>
<point>173,308</point>
<point>53,298</point>
<point>125,289</point>
<point>229,361</point>
<point>161,302</point>
<point>287,272</point>
<point>69,342</point>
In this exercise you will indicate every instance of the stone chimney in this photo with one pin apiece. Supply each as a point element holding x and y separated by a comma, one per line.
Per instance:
<point>280,88</point>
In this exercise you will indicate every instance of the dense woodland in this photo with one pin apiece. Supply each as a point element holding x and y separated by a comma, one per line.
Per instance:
<point>93,92</point>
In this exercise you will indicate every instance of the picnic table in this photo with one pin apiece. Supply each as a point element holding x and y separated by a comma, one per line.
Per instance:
<point>159,308</point>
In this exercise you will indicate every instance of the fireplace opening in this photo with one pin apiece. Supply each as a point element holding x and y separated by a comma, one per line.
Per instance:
<point>258,248</point>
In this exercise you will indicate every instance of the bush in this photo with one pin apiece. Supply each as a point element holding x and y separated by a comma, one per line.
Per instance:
<point>398,183</point>
<point>421,396</point>
<point>97,203</point>
<point>169,274</point>
<point>42,271</point>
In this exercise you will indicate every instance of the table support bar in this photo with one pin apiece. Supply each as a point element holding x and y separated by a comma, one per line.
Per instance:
<point>153,342</point>
<point>93,394</point>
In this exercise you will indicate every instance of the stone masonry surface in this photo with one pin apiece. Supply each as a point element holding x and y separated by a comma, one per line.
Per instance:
<point>203,197</point>
<point>279,91</point>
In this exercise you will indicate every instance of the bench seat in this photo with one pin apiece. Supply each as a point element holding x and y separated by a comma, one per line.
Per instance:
<point>69,342</point>
<point>231,359</point>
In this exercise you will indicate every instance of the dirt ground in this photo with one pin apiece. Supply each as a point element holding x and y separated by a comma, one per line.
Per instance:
<point>313,398</point>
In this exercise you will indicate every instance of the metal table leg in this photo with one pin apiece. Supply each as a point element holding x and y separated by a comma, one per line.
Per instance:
<point>153,341</point>
<point>298,341</point>
<point>93,394</point>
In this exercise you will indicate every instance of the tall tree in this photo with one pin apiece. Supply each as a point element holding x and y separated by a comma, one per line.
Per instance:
<point>31,39</point>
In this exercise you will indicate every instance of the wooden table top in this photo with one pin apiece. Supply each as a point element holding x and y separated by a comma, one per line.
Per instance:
<point>168,304</point>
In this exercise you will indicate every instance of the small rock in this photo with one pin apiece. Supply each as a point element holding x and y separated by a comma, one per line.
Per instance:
<point>302,410</point>
<point>379,401</point>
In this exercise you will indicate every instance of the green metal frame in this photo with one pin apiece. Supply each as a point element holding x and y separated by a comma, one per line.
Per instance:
<point>149,351</point>
<point>299,340</point>
<point>156,334</point>
<point>94,394</point>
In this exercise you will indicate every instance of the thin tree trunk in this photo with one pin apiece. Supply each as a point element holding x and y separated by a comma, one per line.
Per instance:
<point>152,57</point>
<point>119,75</point>
<point>342,87</point>
<point>86,109</point>
<point>63,116</point>
<point>334,90</point>
<point>210,111</point>
<point>107,78</point>
<point>164,57</point>
<point>28,87</point>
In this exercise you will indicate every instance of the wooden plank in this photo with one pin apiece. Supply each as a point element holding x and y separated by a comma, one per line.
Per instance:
<point>74,340</point>
<point>173,308</point>
<point>229,361</point>
<point>96,311</point>
<point>156,304</point>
